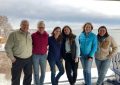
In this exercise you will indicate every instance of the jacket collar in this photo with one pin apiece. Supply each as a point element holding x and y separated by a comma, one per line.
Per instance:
<point>44,33</point>
<point>23,32</point>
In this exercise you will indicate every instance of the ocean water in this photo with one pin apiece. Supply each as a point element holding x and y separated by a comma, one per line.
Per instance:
<point>115,33</point>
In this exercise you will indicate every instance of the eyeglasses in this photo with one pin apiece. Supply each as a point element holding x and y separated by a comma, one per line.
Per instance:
<point>41,27</point>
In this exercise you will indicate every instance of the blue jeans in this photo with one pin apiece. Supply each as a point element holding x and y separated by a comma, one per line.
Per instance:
<point>39,60</point>
<point>102,67</point>
<point>86,64</point>
<point>55,78</point>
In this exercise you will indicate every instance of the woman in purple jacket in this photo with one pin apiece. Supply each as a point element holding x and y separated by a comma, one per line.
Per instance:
<point>54,57</point>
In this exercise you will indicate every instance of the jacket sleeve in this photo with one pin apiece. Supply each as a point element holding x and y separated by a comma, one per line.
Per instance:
<point>9,46</point>
<point>77,46</point>
<point>114,47</point>
<point>62,51</point>
<point>94,47</point>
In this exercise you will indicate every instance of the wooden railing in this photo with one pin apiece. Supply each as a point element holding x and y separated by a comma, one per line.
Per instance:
<point>116,66</point>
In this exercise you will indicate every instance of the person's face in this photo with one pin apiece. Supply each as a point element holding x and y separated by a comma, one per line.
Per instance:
<point>24,26</point>
<point>88,28</point>
<point>66,31</point>
<point>41,29</point>
<point>57,32</point>
<point>102,31</point>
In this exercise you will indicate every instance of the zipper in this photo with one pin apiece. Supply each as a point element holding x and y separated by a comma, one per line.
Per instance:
<point>85,43</point>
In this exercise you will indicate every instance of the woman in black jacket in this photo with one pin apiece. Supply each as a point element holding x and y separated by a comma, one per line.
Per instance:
<point>70,52</point>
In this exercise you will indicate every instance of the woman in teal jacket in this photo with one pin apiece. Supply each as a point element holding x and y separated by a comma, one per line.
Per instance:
<point>88,47</point>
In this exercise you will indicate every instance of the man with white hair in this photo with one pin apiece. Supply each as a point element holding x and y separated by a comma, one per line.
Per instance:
<point>19,49</point>
<point>39,57</point>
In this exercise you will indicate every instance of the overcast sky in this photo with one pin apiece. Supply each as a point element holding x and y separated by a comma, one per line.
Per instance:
<point>61,12</point>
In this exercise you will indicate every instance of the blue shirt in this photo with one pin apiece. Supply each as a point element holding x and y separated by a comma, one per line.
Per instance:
<point>88,44</point>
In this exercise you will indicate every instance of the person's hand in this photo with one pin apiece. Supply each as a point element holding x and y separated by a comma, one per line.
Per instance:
<point>13,60</point>
<point>110,56</point>
<point>90,59</point>
<point>76,59</point>
<point>61,59</point>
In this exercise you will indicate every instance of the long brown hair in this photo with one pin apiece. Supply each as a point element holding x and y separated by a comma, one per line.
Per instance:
<point>59,39</point>
<point>70,36</point>
<point>106,34</point>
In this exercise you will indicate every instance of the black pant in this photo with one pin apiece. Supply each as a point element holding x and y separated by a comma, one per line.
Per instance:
<point>71,69</point>
<point>17,67</point>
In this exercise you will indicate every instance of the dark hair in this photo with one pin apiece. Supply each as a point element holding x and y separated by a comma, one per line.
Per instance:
<point>87,23</point>
<point>106,34</point>
<point>59,39</point>
<point>70,36</point>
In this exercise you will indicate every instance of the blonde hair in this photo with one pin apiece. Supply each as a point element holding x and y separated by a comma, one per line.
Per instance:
<point>41,24</point>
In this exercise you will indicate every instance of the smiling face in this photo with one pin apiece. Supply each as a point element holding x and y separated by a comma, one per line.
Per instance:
<point>102,31</point>
<point>41,26</point>
<point>24,26</point>
<point>87,28</point>
<point>57,32</point>
<point>41,29</point>
<point>66,31</point>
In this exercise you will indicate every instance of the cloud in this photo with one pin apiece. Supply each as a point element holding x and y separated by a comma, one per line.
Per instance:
<point>61,11</point>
